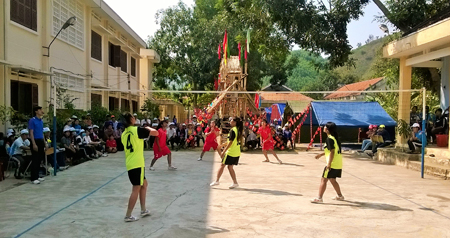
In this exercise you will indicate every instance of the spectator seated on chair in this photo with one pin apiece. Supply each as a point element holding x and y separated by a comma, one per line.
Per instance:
<point>69,148</point>
<point>108,132</point>
<point>20,144</point>
<point>368,142</point>
<point>190,135</point>
<point>199,137</point>
<point>60,155</point>
<point>172,135</point>
<point>440,126</point>
<point>79,144</point>
<point>96,137</point>
<point>95,153</point>
<point>416,138</point>
<point>287,136</point>
<point>180,138</point>
<point>383,141</point>
<point>111,145</point>
<point>252,140</point>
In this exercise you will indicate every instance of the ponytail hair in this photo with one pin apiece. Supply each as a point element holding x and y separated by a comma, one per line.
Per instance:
<point>332,128</point>
<point>160,125</point>
<point>240,127</point>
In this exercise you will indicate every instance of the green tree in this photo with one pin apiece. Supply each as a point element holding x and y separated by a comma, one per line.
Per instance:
<point>150,108</point>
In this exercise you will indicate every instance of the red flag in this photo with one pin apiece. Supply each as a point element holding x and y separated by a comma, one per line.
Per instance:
<point>257,100</point>
<point>246,50</point>
<point>219,50</point>
<point>225,46</point>
<point>239,49</point>
<point>216,84</point>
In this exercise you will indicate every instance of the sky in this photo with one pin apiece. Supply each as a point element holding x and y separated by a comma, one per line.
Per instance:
<point>142,18</point>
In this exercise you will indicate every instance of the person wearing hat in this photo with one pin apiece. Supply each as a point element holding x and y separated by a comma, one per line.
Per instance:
<point>194,120</point>
<point>190,135</point>
<point>60,155</point>
<point>38,145</point>
<point>68,145</point>
<point>137,122</point>
<point>368,142</point>
<point>68,124</point>
<point>287,136</point>
<point>416,138</point>
<point>20,144</point>
<point>386,140</point>
<point>172,134</point>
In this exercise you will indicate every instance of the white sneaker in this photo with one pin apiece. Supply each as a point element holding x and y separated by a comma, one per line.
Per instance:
<point>214,184</point>
<point>172,168</point>
<point>41,179</point>
<point>199,159</point>
<point>145,213</point>
<point>234,185</point>
<point>152,169</point>
<point>104,155</point>
<point>36,182</point>
<point>130,219</point>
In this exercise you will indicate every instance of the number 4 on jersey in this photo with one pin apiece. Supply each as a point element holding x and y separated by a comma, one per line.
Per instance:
<point>129,145</point>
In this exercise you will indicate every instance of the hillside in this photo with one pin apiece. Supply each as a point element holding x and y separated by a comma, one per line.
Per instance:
<point>364,57</point>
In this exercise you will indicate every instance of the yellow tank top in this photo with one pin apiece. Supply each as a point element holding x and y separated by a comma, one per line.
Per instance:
<point>337,159</point>
<point>235,148</point>
<point>134,148</point>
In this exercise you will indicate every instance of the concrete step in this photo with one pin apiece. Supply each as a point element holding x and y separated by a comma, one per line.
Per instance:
<point>445,161</point>
<point>430,169</point>
<point>442,152</point>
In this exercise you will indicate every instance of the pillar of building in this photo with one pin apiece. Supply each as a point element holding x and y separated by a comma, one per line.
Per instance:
<point>404,101</point>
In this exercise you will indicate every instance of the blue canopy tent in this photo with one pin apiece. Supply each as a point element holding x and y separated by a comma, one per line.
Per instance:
<point>268,111</point>
<point>349,114</point>
<point>277,112</point>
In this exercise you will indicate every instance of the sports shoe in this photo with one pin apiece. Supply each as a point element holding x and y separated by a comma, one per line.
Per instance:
<point>145,213</point>
<point>214,184</point>
<point>152,169</point>
<point>104,155</point>
<point>36,182</point>
<point>199,159</point>
<point>337,198</point>
<point>130,219</point>
<point>317,200</point>
<point>172,168</point>
<point>41,179</point>
<point>234,185</point>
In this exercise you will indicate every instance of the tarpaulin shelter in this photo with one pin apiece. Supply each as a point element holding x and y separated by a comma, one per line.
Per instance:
<point>277,112</point>
<point>349,114</point>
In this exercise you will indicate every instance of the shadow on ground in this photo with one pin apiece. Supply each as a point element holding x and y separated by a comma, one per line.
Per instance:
<point>369,205</point>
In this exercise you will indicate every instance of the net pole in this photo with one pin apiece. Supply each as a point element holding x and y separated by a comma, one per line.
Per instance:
<point>320,131</point>
<point>310,122</point>
<point>424,138</point>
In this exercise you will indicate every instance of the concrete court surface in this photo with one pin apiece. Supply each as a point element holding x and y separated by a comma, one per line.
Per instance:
<point>89,200</point>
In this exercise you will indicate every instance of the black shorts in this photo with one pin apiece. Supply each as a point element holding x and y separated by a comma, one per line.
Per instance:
<point>333,173</point>
<point>137,176</point>
<point>230,160</point>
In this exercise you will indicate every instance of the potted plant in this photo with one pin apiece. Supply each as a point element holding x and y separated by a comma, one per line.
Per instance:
<point>403,130</point>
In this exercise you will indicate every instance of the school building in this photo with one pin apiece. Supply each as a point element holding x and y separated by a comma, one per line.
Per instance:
<point>98,52</point>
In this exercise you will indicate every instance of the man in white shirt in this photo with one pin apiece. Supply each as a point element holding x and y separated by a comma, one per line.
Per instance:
<point>171,134</point>
<point>20,144</point>
<point>138,122</point>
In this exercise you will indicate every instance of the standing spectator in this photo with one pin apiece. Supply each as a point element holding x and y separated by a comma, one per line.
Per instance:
<point>416,137</point>
<point>76,125</point>
<point>87,120</point>
<point>287,136</point>
<point>36,129</point>
<point>440,126</point>
<point>114,122</point>
<point>172,134</point>
<point>194,120</point>
<point>108,122</point>
<point>20,144</point>
<point>111,145</point>
<point>137,122</point>
<point>199,137</point>
<point>414,116</point>
<point>174,120</point>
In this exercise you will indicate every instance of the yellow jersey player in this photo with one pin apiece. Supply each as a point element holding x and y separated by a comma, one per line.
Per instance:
<point>133,142</point>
